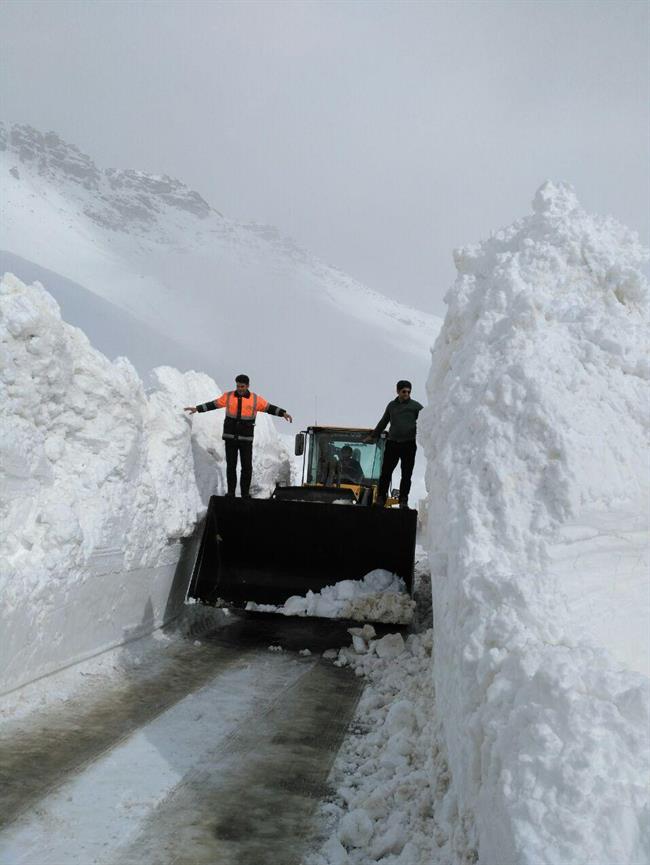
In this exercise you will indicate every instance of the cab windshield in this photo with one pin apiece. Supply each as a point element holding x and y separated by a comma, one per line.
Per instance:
<point>337,458</point>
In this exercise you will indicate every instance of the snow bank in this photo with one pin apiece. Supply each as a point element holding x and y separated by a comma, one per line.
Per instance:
<point>99,483</point>
<point>379,597</point>
<point>602,561</point>
<point>537,411</point>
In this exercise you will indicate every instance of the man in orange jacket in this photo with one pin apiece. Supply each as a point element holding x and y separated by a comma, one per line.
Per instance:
<point>241,407</point>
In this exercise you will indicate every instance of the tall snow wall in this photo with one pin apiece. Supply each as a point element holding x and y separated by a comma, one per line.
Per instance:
<point>538,397</point>
<point>102,484</point>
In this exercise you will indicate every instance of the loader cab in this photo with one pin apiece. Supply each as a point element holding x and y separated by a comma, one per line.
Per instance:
<point>339,456</point>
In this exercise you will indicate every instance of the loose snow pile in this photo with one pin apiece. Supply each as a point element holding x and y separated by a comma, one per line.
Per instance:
<point>379,597</point>
<point>99,482</point>
<point>538,398</point>
<point>385,771</point>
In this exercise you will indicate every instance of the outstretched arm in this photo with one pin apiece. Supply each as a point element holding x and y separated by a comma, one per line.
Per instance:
<point>219,402</point>
<point>269,408</point>
<point>280,412</point>
<point>379,428</point>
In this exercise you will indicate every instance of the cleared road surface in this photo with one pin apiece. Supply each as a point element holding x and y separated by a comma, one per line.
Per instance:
<point>218,753</point>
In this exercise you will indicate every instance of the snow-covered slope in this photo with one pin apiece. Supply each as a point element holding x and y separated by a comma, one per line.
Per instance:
<point>100,481</point>
<point>109,328</point>
<point>537,437</point>
<point>241,295</point>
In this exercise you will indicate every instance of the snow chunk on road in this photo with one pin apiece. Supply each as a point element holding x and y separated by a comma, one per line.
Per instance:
<point>355,829</point>
<point>538,397</point>
<point>390,646</point>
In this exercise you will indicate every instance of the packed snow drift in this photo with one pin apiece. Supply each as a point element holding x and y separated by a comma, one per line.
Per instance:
<point>100,480</point>
<point>536,425</point>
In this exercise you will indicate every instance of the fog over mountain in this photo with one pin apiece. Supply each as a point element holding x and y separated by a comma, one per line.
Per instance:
<point>150,269</point>
<point>380,135</point>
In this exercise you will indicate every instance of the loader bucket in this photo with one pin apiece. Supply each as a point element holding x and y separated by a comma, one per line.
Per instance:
<point>266,550</point>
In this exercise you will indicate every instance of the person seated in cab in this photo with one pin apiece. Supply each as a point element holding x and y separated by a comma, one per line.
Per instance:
<point>349,467</point>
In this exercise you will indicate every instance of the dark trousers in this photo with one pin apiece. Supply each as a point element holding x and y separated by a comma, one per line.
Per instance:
<point>245,451</point>
<point>403,452</point>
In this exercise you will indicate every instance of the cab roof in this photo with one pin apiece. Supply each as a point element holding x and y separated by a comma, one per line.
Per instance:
<point>335,430</point>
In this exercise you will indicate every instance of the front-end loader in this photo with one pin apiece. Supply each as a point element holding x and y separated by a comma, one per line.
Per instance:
<point>306,537</point>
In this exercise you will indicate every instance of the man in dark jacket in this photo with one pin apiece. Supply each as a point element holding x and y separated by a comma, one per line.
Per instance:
<point>402,414</point>
<point>241,407</point>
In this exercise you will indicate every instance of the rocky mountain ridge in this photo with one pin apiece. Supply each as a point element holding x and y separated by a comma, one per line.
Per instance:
<point>123,200</point>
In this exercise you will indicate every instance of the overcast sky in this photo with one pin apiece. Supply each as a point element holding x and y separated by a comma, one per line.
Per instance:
<point>380,135</point>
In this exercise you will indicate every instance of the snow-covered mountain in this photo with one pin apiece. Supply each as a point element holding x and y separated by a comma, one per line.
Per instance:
<point>206,290</point>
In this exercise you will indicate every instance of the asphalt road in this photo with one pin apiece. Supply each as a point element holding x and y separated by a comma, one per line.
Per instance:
<point>216,753</point>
